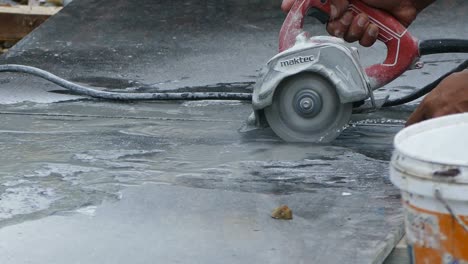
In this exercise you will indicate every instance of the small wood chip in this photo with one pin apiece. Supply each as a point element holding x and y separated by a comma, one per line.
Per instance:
<point>282,213</point>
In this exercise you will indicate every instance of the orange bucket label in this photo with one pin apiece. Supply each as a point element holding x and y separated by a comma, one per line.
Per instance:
<point>435,238</point>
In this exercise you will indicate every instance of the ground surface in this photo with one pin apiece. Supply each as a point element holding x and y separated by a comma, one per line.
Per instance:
<point>88,181</point>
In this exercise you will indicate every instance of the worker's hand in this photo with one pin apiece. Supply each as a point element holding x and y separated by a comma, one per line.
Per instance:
<point>344,24</point>
<point>449,97</point>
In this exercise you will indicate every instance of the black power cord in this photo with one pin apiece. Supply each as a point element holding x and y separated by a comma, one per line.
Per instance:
<point>426,47</point>
<point>426,89</point>
<point>89,91</point>
<point>434,46</point>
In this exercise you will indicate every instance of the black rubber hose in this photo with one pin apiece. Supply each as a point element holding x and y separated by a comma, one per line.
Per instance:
<point>425,90</point>
<point>436,46</point>
<point>89,91</point>
<point>426,47</point>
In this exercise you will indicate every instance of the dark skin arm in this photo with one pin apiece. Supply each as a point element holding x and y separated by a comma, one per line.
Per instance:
<point>449,97</point>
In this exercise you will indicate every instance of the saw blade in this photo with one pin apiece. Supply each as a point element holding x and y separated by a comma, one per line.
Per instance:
<point>307,108</point>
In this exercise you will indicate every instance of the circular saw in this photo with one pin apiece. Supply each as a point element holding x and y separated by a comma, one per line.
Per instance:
<point>308,91</point>
<point>307,108</point>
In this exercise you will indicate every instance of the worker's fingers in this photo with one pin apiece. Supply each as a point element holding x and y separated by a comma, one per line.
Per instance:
<point>337,29</point>
<point>417,116</point>
<point>338,8</point>
<point>370,37</point>
<point>449,97</point>
<point>286,5</point>
<point>357,28</point>
<point>430,109</point>
<point>347,19</point>
<point>440,113</point>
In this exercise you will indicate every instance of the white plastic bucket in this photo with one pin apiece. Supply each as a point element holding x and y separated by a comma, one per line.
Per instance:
<point>430,167</point>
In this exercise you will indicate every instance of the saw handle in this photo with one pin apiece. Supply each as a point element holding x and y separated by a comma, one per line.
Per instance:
<point>402,47</point>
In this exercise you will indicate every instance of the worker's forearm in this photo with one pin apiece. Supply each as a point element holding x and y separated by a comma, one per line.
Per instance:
<point>421,4</point>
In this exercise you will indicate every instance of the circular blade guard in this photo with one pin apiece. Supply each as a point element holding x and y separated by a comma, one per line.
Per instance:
<point>307,108</point>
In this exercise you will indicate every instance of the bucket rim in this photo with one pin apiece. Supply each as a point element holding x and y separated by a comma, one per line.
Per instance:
<point>441,122</point>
